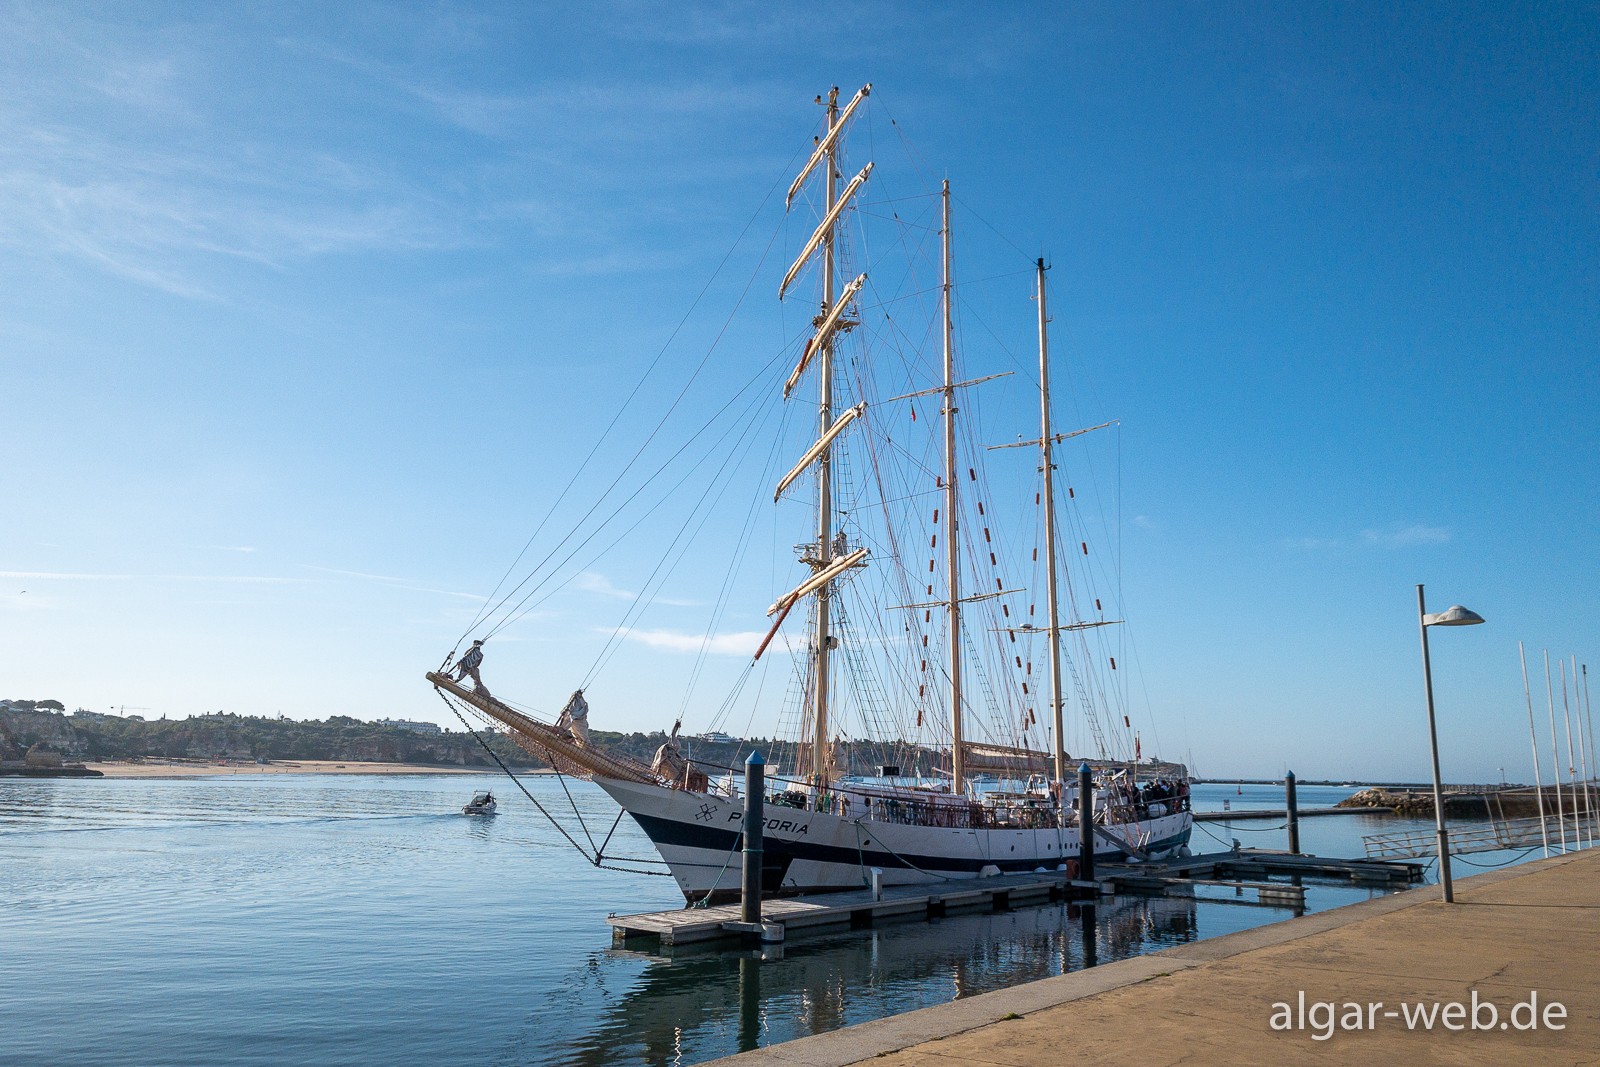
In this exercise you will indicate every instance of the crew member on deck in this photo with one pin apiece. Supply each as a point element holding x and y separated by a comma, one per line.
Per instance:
<point>469,666</point>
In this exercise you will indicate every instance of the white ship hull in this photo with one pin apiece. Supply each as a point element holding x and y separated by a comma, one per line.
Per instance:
<point>698,835</point>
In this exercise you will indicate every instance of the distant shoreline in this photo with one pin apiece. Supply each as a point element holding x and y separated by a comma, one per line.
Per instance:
<point>199,769</point>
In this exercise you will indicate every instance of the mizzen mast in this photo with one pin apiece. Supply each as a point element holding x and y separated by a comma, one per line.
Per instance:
<point>1047,465</point>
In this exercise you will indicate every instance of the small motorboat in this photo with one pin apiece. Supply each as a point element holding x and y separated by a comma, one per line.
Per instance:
<point>482,804</point>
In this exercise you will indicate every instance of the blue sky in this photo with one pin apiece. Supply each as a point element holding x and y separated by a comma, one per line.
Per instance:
<point>307,311</point>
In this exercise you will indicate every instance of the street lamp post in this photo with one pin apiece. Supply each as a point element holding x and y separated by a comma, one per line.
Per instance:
<point>1455,615</point>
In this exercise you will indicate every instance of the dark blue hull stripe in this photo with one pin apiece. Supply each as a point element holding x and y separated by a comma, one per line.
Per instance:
<point>716,839</point>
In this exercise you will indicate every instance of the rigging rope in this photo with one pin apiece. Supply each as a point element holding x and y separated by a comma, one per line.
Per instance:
<point>531,799</point>
<point>487,611</point>
<point>523,607</point>
<point>684,536</point>
<point>599,857</point>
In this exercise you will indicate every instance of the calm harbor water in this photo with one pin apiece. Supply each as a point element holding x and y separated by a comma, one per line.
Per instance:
<point>293,919</point>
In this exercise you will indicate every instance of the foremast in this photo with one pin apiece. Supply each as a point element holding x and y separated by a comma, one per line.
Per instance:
<point>828,560</point>
<point>824,555</point>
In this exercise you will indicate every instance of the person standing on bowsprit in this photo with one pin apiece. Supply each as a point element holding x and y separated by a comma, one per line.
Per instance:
<point>469,667</point>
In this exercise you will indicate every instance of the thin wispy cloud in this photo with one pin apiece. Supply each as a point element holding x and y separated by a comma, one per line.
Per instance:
<point>598,104</point>
<point>593,582</point>
<point>1312,543</point>
<point>393,581</point>
<point>71,576</point>
<point>739,643</point>
<point>714,25</point>
<point>145,215</point>
<point>145,170</point>
<point>1397,535</point>
<point>140,170</point>
<point>1403,536</point>
<point>677,602</point>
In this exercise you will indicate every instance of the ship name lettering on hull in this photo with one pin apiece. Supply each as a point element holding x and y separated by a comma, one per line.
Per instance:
<point>783,825</point>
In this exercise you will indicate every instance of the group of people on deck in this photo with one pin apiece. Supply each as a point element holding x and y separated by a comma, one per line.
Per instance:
<point>1173,795</point>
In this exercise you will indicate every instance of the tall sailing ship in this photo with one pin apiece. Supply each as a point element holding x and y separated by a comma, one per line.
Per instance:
<point>1003,799</point>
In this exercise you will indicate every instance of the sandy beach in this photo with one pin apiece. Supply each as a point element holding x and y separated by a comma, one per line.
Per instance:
<point>200,768</point>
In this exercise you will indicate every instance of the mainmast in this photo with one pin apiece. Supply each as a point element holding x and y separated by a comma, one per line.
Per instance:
<point>953,574</point>
<point>824,556</point>
<point>1048,468</point>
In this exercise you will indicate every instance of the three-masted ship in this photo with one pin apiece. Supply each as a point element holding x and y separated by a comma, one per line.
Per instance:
<point>996,808</point>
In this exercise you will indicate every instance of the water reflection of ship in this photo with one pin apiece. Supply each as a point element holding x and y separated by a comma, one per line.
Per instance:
<point>702,1004</point>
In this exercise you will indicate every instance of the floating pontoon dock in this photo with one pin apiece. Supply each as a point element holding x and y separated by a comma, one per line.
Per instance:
<point>1243,815</point>
<point>786,917</point>
<point>828,912</point>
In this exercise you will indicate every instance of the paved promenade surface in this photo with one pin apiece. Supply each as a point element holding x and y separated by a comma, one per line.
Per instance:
<point>1511,932</point>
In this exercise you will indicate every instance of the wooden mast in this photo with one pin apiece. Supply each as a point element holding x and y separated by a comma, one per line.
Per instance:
<point>1048,468</point>
<point>824,556</point>
<point>826,559</point>
<point>953,574</point>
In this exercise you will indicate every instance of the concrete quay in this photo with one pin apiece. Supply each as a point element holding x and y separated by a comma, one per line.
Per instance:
<point>1513,932</point>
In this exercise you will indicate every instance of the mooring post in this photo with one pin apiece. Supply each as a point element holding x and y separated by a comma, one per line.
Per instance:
<point>1294,813</point>
<point>755,820</point>
<point>1085,823</point>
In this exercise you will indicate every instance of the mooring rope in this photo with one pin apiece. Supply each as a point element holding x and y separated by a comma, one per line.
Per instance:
<point>1198,825</point>
<point>705,901</point>
<point>896,855</point>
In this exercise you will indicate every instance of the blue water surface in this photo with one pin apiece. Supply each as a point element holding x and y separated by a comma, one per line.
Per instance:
<point>314,919</point>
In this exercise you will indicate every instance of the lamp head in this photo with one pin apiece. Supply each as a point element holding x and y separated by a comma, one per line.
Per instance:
<point>1454,615</point>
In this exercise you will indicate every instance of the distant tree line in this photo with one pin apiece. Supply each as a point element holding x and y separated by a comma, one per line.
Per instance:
<point>92,736</point>
<point>87,735</point>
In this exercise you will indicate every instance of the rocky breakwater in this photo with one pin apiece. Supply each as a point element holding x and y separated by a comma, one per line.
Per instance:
<point>1401,803</point>
<point>1418,804</point>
